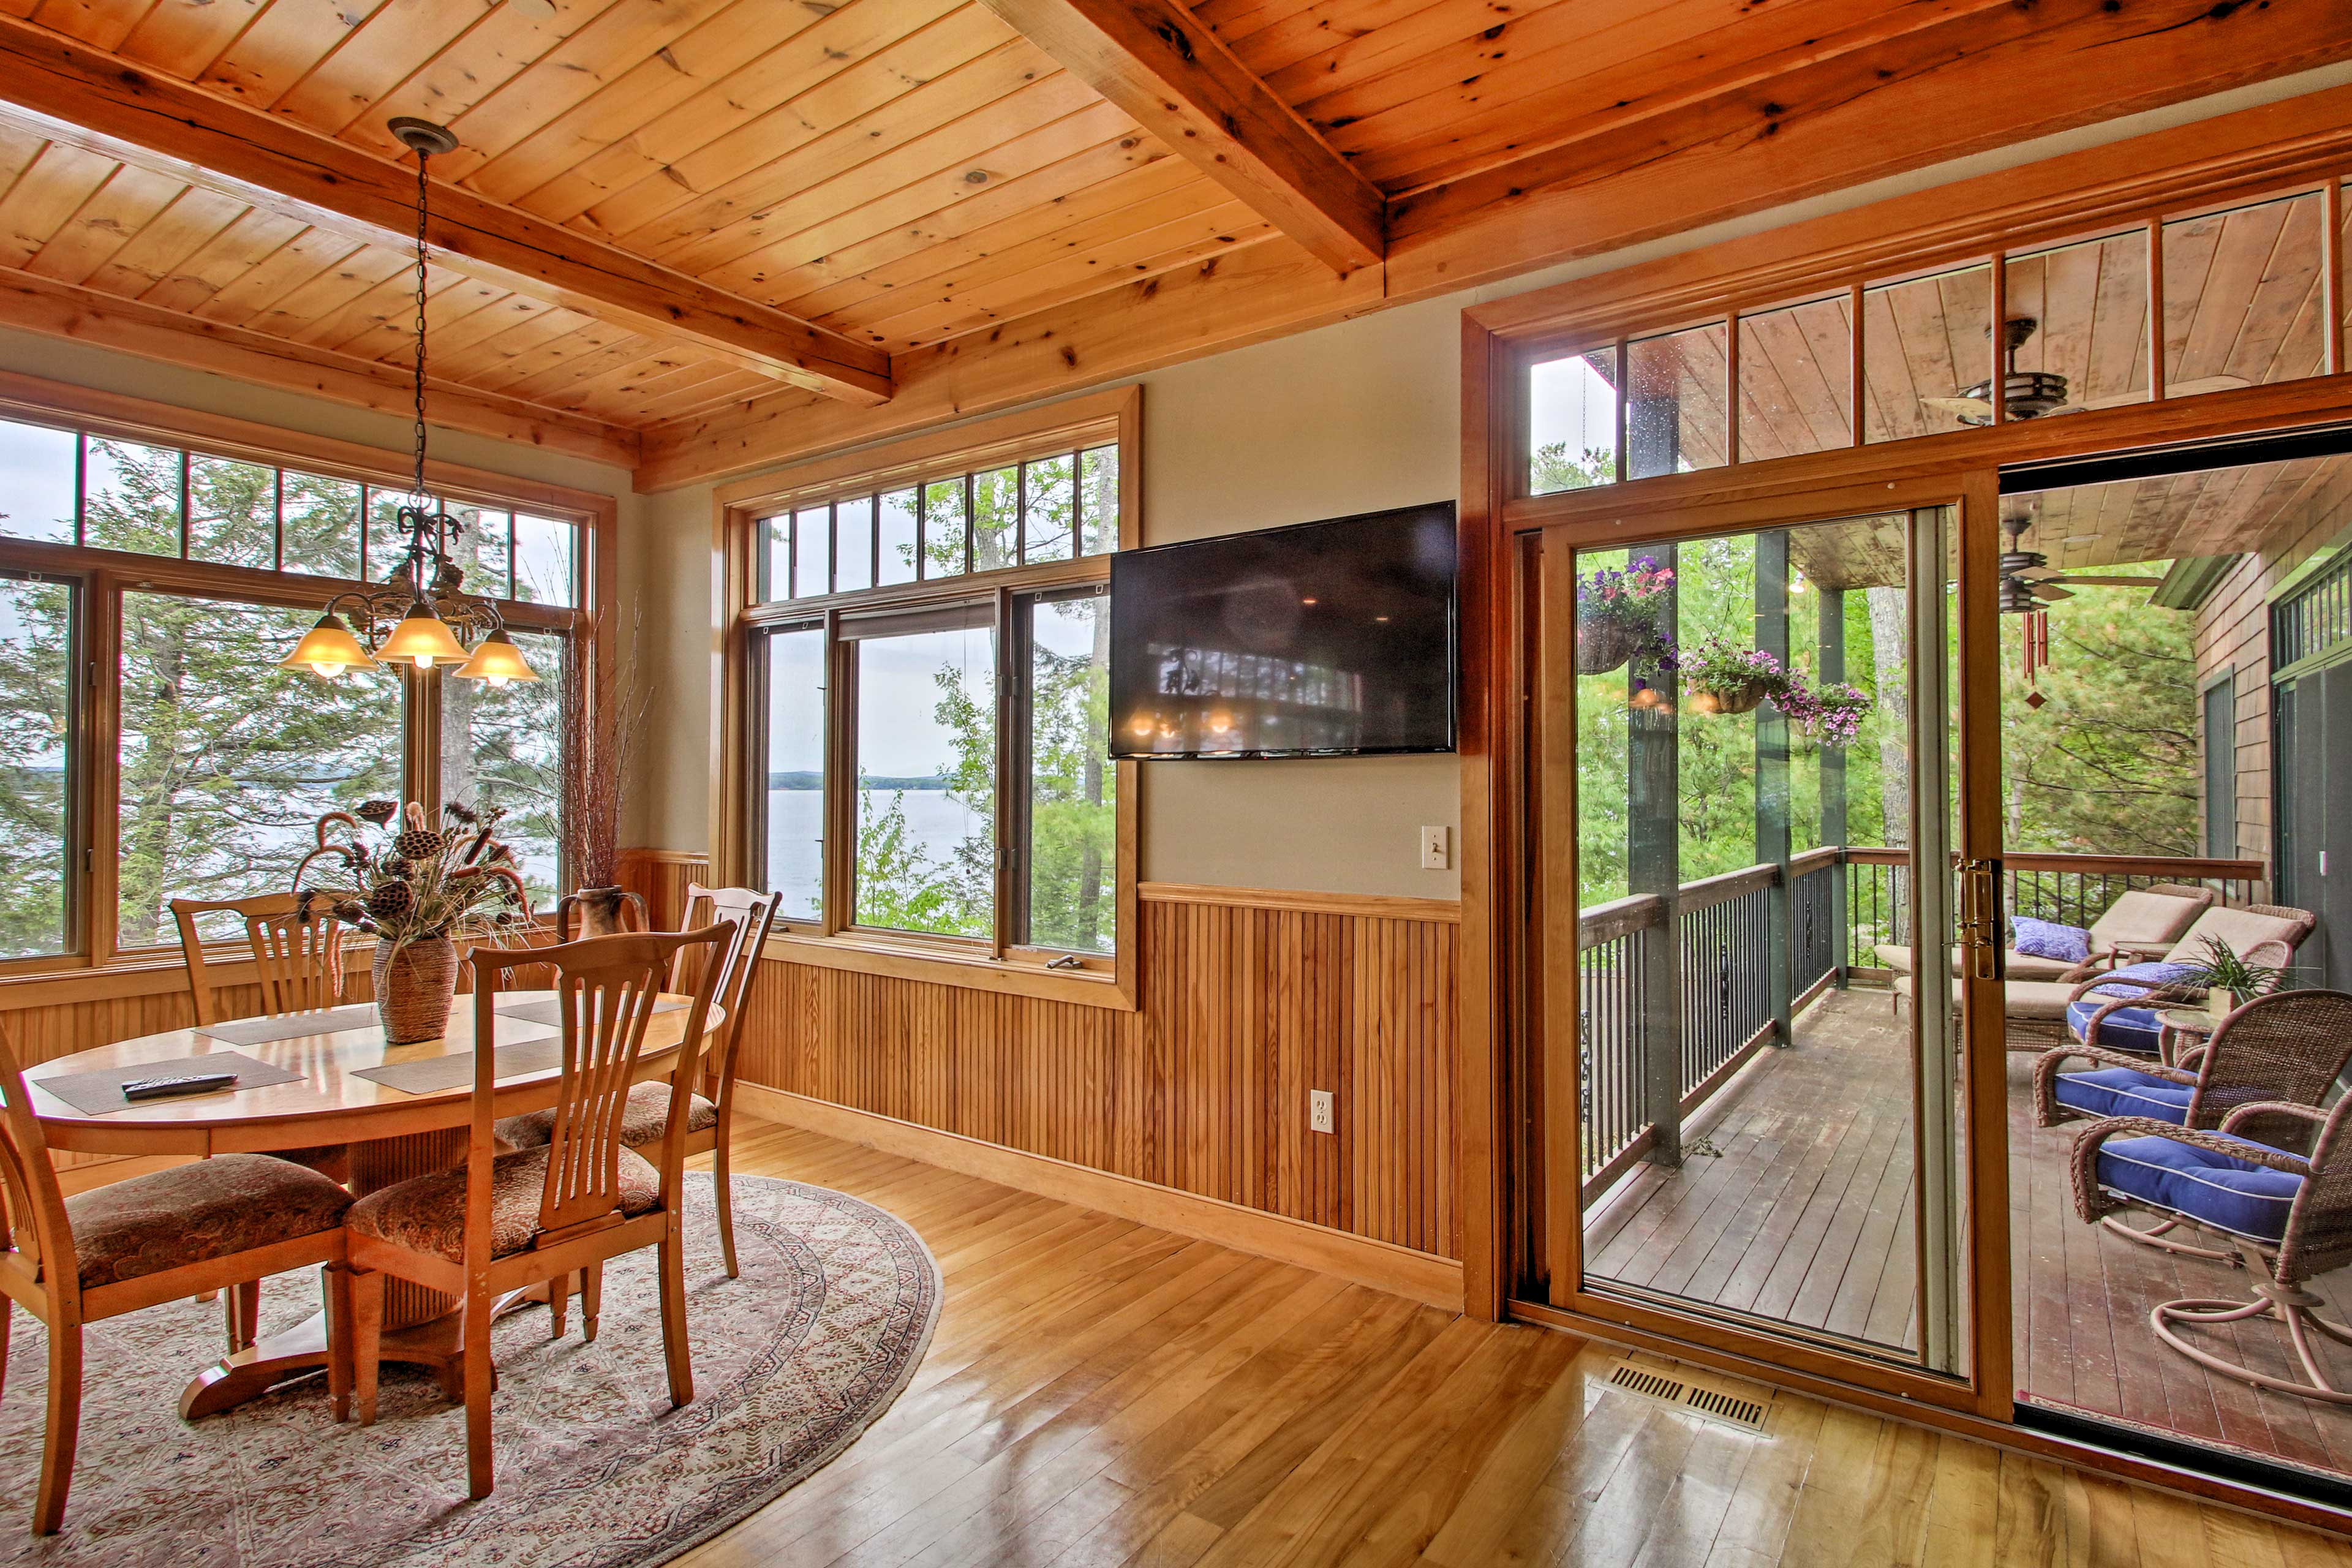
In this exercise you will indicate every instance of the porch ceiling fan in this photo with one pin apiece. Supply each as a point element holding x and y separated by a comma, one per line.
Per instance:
<point>2028,581</point>
<point>2038,394</point>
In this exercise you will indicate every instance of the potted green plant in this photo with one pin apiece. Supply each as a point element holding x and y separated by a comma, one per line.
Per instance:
<point>2223,972</point>
<point>1617,616</point>
<point>419,892</point>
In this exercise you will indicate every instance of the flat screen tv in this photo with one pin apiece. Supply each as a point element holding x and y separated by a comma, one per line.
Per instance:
<point>1323,639</point>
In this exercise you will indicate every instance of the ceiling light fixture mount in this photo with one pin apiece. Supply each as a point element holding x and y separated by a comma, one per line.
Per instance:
<point>420,614</point>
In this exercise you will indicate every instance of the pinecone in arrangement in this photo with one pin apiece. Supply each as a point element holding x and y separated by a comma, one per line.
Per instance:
<point>418,844</point>
<point>457,811</point>
<point>351,910</point>
<point>397,866</point>
<point>379,812</point>
<point>390,901</point>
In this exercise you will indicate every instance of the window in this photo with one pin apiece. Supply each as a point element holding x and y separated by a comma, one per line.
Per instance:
<point>225,762</point>
<point>202,767</point>
<point>38,632</point>
<point>925,697</point>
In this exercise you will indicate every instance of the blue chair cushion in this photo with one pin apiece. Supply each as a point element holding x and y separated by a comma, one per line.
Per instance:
<point>2231,1194</point>
<point>2136,1029</point>
<point>2119,1091</point>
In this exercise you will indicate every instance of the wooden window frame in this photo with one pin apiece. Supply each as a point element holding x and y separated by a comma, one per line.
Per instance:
<point>99,968</point>
<point>994,964</point>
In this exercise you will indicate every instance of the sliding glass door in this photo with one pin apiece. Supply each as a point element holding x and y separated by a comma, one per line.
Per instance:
<point>1758,912</point>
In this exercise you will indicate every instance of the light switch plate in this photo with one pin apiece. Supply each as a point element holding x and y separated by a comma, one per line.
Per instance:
<point>1436,852</point>
<point>1319,1110</point>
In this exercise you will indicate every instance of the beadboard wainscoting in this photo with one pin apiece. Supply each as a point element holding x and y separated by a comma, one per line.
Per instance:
<point>1249,1001</point>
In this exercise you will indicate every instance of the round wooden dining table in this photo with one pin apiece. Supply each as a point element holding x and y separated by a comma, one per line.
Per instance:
<point>393,1134</point>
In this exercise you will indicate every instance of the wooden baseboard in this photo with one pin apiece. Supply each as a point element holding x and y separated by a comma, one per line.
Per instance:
<point>1421,1276</point>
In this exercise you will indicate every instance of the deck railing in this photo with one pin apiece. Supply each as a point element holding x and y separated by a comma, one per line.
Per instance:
<point>1838,903</point>
<point>2074,890</point>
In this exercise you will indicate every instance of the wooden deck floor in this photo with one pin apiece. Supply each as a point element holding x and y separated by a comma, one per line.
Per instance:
<point>1805,1217</point>
<point>1101,1392</point>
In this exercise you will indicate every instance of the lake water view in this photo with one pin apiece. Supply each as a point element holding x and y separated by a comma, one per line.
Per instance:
<point>935,822</point>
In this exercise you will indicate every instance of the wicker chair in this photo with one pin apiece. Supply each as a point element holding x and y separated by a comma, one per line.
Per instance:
<point>2288,1218</point>
<point>2288,1048</point>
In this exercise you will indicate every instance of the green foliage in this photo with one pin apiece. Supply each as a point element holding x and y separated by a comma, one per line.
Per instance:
<point>900,886</point>
<point>1550,469</point>
<point>2108,765</point>
<point>34,698</point>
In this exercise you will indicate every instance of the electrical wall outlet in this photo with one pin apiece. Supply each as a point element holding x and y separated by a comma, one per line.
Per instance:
<point>1319,1110</point>
<point>1436,852</point>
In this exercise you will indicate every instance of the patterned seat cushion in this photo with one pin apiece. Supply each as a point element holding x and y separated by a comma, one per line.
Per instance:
<point>644,1120</point>
<point>195,1213</point>
<point>2235,1195</point>
<point>2119,1091</point>
<point>427,1214</point>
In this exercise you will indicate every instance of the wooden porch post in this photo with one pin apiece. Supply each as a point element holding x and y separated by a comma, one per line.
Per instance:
<point>1654,864</point>
<point>1830,660</point>
<point>1772,777</point>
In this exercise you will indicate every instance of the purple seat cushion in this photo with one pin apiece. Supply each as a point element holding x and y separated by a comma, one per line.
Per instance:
<point>2134,1029</point>
<point>2119,1091</point>
<point>2158,974</point>
<point>2235,1195</point>
<point>2048,939</point>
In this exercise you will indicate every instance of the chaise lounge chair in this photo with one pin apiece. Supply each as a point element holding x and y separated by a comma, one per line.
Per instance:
<point>2143,917</point>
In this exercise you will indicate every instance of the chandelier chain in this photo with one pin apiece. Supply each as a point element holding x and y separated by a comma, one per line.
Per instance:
<point>422,158</point>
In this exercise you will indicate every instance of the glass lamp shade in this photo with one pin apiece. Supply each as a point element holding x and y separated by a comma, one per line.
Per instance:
<point>498,661</point>
<point>423,640</point>
<point>328,650</point>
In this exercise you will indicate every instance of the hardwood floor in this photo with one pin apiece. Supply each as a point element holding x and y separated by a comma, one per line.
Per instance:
<point>1101,1392</point>
<point>1804,1215</point>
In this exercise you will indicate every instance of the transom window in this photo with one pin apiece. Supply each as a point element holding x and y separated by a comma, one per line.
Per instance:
<point>150,747</point>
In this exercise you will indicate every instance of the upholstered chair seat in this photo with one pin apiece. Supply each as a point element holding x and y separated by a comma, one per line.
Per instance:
<point>643,1121</point>
<point>427,1214</point>
<point>195,1213</point>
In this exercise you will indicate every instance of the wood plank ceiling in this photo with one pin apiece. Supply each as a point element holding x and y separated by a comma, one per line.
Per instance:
<point>909,175</point>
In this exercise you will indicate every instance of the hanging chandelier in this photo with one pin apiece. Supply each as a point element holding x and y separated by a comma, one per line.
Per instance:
<point>420,614</point>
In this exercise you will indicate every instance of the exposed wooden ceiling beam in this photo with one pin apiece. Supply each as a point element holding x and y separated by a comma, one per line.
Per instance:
<point>1270,289</point>
<point>66,310</point>
<point>79,93</point>
<point>1160,64</point>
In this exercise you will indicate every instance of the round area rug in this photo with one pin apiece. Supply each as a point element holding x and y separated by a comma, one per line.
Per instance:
<point>593,1469</point>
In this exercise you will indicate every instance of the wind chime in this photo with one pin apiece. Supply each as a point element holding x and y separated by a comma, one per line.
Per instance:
<point>2019,598</point>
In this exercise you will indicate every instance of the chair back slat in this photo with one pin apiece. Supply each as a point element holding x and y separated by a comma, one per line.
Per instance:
<point>299,957</point>
<point>2319,1227</point>
<point>608,988</point>
<point>38,1228</point>
<point>755,914</point>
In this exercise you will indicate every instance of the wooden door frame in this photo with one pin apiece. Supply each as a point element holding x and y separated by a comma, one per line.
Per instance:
<point>1497,522</point>
<point>1973,502</point>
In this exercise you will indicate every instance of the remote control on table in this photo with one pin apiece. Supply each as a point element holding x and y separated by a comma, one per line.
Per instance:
<point>185,1083</point>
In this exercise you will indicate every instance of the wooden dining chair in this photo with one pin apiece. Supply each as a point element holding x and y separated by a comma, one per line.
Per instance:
<point>508,1220</point>
<point>299,960</point>
<point>710,1109</point>
<point>210,1225</point>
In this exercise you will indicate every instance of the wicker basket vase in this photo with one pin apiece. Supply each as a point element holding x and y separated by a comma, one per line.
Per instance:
<point>414,990</point>
<point>1603,645</point>
<point>1740,700</point>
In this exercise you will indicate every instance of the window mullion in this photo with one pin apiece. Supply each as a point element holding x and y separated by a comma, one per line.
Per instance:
<point>836,910</point>
<point>101,739</point>
<point>1009,857</point>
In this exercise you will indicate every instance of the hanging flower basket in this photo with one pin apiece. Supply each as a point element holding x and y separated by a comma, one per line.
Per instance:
<point>1742,698</point>
<point>1605,645</point>
<point>1617,616</point>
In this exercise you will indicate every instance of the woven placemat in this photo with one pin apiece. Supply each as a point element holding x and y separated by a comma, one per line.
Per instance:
<point>99,1093</point>
<point>550,1009</point>
<point>431,1075</point>
<point>291,1026</point>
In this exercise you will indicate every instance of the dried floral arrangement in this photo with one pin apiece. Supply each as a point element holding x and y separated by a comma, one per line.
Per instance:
<point>420,882</point>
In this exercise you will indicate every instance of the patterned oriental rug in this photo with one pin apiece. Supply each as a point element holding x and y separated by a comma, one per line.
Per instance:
<point>792,1362</point>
